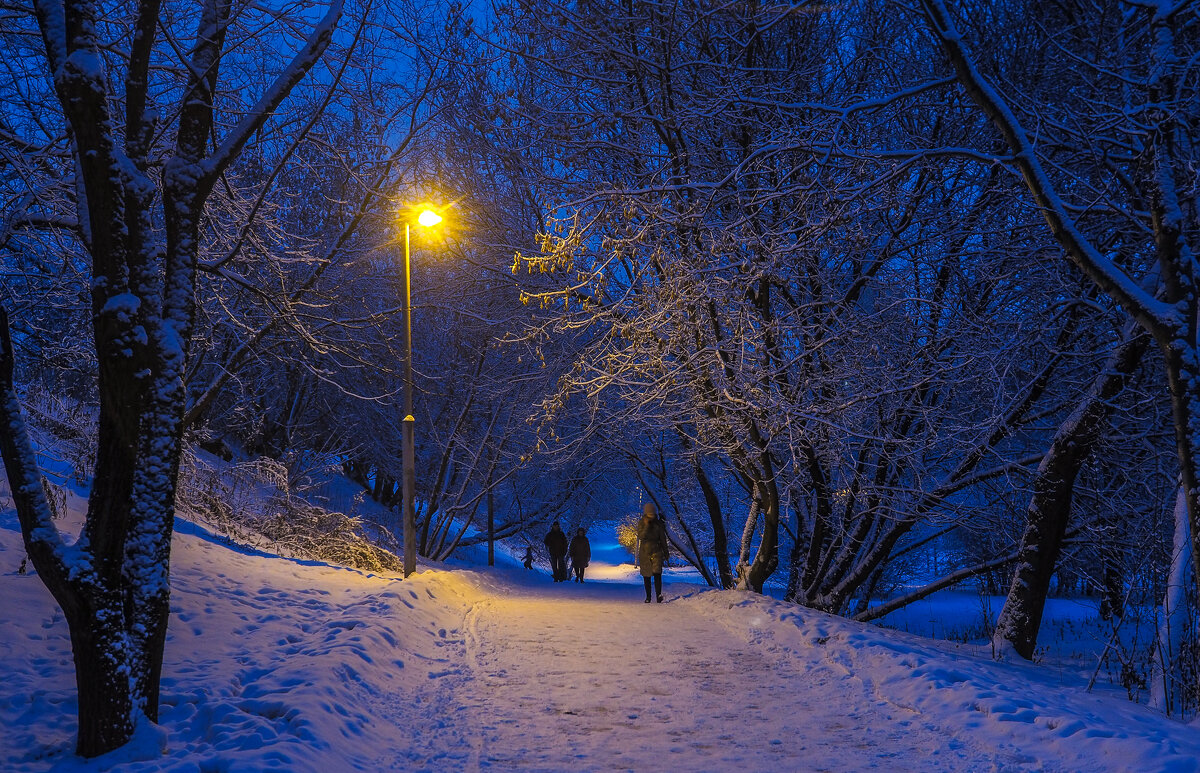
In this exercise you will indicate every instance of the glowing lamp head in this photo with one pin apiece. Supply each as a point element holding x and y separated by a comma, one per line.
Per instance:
<point>429,218</point>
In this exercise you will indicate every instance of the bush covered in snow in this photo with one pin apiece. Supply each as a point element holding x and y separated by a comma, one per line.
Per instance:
<point>627,534</point>
<point>257,503</point>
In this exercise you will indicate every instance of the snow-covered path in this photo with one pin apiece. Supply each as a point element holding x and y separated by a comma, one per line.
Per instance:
<point>588,677</point>
<point>277,664</point>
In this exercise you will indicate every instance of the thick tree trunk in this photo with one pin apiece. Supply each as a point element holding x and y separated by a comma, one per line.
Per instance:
<point>766,558</point>
<point>106,701</point>
<point>748,529</point>
<point>1184,380</point>
<point>1041,544</point>
<point>113,583</point>
<point>1050,506</point>
<point>85,584</point>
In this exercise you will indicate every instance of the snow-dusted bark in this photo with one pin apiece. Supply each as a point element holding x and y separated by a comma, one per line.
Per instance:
<point>113,583</point>
<point>1159,123</point>
<point>1050,505</point>
<point>754,575</point>
<point>1176,627</point>
<point>747,541</point>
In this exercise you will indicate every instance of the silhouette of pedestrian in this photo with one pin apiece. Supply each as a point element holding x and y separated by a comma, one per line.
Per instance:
<point>581,553</point>
<point>652,550</point>
<point>556,546</point>
<point>528,559</point>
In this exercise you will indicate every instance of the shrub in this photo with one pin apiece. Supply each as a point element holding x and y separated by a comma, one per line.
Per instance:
<point>253,503</point>
<point>627,534</point>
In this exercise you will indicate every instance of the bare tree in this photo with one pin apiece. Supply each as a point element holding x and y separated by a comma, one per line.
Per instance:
<point>1050,504</point>
<point>1131,149</point>
<point>140,203</point>
<point>843,331</point>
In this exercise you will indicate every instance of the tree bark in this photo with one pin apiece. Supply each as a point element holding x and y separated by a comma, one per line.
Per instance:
<point>93,610</point>
<point>1168,679</point>
<point>113,583</point>
<point>753,576</point>
<point>748,529</point>
<point>106,701</point>
<point>715,516</point>
<point>1050,506</point>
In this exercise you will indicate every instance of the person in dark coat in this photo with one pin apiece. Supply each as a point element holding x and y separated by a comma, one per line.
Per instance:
<point>528,559</point>
<point>581,553</point>
<point>652,549</point>
<point>556,546</point>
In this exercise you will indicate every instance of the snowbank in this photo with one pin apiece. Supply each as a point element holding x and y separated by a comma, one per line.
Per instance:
<point>281,664</point>
<point>1020,707</point>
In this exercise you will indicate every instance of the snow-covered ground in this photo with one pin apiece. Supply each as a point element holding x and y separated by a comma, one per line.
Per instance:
<point>279,664</point>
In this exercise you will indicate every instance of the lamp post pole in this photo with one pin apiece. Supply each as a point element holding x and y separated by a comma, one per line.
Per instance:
<point>427,218</point>
<point>409,478</point>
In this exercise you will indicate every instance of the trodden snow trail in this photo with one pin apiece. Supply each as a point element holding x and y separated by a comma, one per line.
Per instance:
<point>284,664</point>
<point>587,677</point>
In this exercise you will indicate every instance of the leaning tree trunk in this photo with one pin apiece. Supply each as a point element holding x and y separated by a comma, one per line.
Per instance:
<point>1164,120</point>
<point>1050,506</point>
<point>754,574</point>
<point>748,529</point>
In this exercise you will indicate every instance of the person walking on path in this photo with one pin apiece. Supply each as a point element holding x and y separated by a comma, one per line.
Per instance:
<point>556,546</point>
<point>652,549</point>
<point>581,553</point>
<point>528,559</point>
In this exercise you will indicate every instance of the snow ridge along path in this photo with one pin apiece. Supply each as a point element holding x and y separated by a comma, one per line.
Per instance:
<point>276,664</point>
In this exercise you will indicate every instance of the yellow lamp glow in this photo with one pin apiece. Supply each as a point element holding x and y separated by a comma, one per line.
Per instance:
<point>429,218</point>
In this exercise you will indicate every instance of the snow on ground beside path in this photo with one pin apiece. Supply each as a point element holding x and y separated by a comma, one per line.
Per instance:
<point>271,664</point>
<point>1017,706</point>
<point>276,664</point>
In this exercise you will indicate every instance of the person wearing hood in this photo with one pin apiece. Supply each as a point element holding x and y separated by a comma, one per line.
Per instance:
<point>652,549</point>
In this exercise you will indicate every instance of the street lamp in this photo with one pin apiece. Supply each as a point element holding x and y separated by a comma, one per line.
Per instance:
<point>427,217</point>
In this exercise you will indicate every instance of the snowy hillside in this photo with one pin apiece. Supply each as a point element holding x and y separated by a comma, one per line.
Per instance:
<point>278,664</point>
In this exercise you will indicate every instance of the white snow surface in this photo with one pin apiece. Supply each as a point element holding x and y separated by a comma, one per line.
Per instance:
<point>279,664</point>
